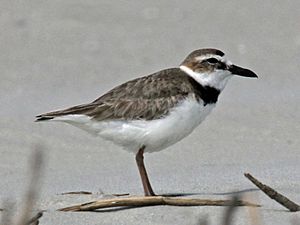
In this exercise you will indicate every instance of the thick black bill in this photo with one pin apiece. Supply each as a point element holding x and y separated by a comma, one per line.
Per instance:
<point>241,71</point>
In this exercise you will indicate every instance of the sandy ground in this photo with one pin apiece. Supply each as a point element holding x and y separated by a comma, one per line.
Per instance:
<point>55,54</point>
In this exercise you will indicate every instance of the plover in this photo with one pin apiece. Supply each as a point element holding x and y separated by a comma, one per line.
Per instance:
<point>151,113</point>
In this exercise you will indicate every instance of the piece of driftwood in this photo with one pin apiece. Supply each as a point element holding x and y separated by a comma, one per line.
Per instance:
<point>284,201</point>
<point>151,201</point>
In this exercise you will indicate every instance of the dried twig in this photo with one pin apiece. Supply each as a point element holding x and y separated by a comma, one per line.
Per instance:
<point>77,193</point>
<point>150,201</point>
<point>89,193</point>
<point>35,219</point>
<point>30,197</point>
<point>122,194</point>
<point>292,206</point>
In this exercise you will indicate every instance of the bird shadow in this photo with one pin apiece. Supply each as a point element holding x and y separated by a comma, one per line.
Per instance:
<point>117,209</point>
<point>211,193</point>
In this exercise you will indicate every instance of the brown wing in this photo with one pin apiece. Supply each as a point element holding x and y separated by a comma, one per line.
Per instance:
<point>146,109</point>
<point>163,84</point>
<point>146,98</point>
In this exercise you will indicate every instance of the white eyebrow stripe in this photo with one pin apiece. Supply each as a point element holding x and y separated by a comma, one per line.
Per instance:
<point>201,58</point>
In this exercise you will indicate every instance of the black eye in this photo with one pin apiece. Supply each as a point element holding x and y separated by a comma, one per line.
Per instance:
<point>212,60</point>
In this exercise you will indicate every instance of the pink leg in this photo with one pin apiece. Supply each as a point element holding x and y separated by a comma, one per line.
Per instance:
<point>143,173</point>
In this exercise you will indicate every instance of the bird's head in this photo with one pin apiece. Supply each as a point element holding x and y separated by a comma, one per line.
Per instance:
<point>209,67</point>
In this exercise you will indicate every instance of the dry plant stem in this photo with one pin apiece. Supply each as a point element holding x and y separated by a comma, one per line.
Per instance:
<point>77,193</point>
<point>150,201</point>
<point>119,195</point>
<point>230,210</point>
<point>30,197</point>
<point>292,206</point>
<point>35,220</point>
<point>87,193</point>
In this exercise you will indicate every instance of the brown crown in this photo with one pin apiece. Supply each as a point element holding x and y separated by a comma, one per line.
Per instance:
<point>191,62</point>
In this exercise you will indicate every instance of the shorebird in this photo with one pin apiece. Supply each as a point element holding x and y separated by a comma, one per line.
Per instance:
<point>151,113</point>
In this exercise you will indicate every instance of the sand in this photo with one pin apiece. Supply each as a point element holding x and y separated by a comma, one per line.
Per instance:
<point>55,54</point>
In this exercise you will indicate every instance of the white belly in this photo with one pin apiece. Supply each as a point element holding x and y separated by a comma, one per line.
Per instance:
<point>155,135</point>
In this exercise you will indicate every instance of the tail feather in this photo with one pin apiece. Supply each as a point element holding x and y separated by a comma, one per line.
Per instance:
<point>79,109</point>
<point>43,118</point>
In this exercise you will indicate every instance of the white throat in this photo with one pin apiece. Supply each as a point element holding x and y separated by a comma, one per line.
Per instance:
<point>217,79</point>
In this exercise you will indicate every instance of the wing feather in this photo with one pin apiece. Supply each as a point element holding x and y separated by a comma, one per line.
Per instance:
<point>147,98</point>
